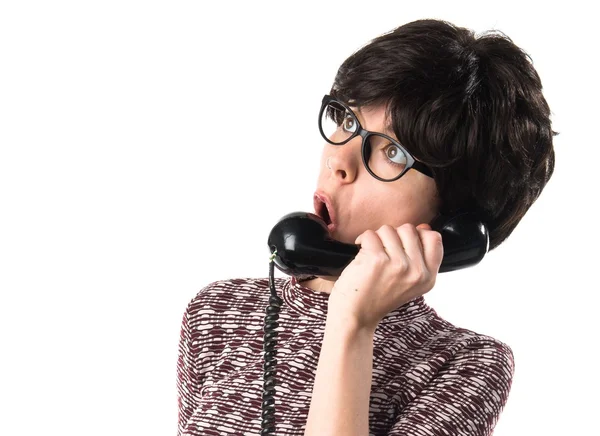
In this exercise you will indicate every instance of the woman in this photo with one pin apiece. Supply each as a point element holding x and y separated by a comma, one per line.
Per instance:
<point>467,128</point>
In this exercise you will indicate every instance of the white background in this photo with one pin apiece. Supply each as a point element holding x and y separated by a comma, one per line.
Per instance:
<point>147,148</point>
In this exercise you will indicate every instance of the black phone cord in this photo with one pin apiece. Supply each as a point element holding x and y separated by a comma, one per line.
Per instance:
<point>270,341</point>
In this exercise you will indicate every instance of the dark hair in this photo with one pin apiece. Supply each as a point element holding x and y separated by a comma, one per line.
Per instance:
<point>469,107</point>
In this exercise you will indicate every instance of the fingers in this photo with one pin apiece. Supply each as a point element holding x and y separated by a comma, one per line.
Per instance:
<point>406,245</point>
<point>370,241</point>
<point>393,244</point>
<point>433,249</point>
<point>412,244</point>
<point>424,248</point>
<point>385,242</point>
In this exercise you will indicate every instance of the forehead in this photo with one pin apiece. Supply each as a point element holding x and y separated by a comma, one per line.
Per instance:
<point>373,117</point>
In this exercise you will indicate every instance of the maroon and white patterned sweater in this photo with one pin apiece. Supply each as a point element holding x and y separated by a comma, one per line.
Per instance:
<point>430,378</point>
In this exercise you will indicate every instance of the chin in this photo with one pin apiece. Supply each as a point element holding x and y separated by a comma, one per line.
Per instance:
<point>339,236</point>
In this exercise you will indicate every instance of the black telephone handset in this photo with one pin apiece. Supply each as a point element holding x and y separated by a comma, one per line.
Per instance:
<point>304,245</point>
<point>301,244</point>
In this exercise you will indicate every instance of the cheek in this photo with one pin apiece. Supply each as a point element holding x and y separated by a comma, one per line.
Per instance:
<point>396,208</point>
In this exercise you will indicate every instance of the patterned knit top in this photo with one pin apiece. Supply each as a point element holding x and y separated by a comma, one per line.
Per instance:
<point>429,377</point>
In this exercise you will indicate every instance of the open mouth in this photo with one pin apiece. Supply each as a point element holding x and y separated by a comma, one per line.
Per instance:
<point>324,213</point>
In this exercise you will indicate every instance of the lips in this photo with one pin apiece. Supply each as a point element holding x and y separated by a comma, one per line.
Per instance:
<point>325,210</point>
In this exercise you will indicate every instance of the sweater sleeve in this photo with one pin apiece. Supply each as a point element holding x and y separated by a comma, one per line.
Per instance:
<point>188,383</point>
<point>466,396</point>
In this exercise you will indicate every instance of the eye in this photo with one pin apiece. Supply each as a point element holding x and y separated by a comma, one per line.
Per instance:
<point>394,154</point>
<point>349,123</point>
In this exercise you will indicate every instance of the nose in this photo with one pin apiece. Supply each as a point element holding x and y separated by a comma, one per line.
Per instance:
<point>345,160</point>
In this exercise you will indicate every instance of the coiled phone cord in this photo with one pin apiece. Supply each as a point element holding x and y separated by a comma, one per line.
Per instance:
<point>270,341</point>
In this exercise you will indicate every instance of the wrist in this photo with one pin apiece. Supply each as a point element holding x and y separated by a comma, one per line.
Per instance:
<point>347,325</point>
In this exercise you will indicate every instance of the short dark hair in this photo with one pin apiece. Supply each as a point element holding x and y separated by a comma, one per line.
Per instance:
<point>469,107</point>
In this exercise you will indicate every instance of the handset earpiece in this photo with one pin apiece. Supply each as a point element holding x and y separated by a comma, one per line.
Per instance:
<point>303,244</point>
<point>465,239</point>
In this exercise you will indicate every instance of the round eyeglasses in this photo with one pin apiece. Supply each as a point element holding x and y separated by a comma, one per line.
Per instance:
<point>383,157</point>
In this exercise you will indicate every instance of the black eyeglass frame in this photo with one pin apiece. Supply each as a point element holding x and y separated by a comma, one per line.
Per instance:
<point>411,162</point>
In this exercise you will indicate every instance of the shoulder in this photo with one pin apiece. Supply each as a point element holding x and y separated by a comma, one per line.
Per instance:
<point>465,346</point>
<point>478,351</point>
<point>476,362</point>
<point>465,381</point>
<point>482,366</point>
<point>235,294</point>
<point>486,351</point>
<point>227,287</point>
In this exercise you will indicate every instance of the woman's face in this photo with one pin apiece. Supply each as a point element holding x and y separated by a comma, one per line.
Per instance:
<point>360,201</point>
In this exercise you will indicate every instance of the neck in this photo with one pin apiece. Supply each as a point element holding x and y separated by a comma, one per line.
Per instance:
<point>320,284</point>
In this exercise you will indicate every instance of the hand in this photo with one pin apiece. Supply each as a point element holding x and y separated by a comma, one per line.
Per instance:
<point>393,266</point>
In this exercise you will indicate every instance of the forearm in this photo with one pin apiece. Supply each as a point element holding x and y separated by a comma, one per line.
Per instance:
<point>340,396</point>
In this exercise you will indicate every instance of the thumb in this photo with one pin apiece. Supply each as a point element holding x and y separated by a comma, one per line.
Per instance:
<point>424,226</point>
